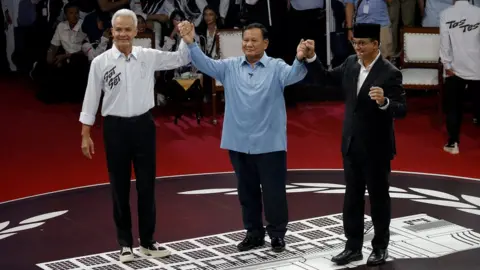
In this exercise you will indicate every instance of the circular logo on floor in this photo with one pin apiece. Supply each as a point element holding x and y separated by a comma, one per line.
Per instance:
<point>199,220</point>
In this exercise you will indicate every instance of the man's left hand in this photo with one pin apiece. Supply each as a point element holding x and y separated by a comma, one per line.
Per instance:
<point>376,93</point>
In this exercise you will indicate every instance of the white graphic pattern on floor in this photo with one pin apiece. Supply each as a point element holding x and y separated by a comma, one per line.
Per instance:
<point>310,245</point>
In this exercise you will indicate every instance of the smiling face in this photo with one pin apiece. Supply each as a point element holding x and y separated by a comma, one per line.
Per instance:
<point>253,43</point>
<point>123,32</point>
<point>365,47</point>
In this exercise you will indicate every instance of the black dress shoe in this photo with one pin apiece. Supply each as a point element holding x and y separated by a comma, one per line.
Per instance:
<point>278,244</point>
<point>250,242</point>
<point>347,256</point>
<point>377,257</point>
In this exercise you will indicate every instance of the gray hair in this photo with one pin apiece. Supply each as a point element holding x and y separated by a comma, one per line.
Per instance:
<point>125,13</point>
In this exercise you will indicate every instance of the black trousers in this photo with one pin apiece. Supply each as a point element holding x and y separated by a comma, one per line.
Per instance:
<point>127,141</point>
<point>454,96</point>
<point>360,171</point>
<point>269,171</point>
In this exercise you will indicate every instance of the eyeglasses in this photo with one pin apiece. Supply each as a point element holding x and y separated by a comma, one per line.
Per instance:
<point>360,43</point>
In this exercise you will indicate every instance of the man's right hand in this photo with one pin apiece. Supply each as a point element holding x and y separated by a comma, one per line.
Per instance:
<point>187,31</point>
<point>87,146</point>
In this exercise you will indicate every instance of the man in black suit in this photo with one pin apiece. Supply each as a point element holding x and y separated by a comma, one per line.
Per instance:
<point>374,96</point>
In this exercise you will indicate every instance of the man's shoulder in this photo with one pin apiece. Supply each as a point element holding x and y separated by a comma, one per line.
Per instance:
<point>102,58</point>
<point>389,67</point>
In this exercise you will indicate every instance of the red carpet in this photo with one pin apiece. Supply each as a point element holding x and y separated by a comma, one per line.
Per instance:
<point>41,151</point>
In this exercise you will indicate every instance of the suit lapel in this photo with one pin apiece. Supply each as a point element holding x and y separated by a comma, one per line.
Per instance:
<point>372,76</point>
<point>355,74</point>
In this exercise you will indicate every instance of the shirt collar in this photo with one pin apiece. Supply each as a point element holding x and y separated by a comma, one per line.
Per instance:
<point>119,54</point>
<point>263,61</point>
<point>76,28</point>
<point>369,67</point>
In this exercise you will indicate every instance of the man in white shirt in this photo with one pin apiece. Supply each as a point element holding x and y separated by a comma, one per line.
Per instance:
<point>460,55</point>
<point>126,75</point>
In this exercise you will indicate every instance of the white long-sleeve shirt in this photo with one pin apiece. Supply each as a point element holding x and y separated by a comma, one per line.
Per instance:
<point>127,83</point>
<point>460,40</point>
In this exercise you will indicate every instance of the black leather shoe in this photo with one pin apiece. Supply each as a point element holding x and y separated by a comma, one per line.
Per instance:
<point>377,257</point>
<point>347,256</point>
<point>250,242</point>
<point>278,244</point>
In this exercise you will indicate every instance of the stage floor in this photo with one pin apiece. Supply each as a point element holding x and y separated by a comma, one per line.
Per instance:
<point>436,224</point>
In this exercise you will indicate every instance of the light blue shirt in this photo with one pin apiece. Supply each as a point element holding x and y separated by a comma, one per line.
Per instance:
<point>255,116</point>
<point>433,10</point>
<point>377,12</point>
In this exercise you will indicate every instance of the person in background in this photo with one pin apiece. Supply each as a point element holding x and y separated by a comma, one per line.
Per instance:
<point>93,48</point>
<point>404,9</point>
<point>371,11</point>
<point>125,75</point>
<point>460,55</point>
<point>430,11</point>
<point>207,34</point>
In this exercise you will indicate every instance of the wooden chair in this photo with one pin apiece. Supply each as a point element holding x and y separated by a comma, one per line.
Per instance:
<point>228,44</point>
<point>420,60</point>
<point>145,40</point>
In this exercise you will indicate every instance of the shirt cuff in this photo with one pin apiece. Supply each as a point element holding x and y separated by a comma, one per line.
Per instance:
<point>447,66</point>
<point>87,119</point>
<point>387,102</point>
<point>310,60</point>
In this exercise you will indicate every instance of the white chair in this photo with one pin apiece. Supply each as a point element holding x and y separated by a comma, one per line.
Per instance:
<point>229,44</point>
<point>145,40</point>
<point>420,60</point>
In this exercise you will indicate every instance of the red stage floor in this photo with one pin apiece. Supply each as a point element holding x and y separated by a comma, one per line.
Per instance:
<point>42,144</point>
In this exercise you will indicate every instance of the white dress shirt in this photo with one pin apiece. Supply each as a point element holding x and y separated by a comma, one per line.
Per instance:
<point>127,83</point>
<point>70,39</point>
<point>460,40</point>
<point>362,76</point>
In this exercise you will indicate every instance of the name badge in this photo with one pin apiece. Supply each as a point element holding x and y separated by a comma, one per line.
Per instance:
<point>365,9</point>
<point>44,12</point>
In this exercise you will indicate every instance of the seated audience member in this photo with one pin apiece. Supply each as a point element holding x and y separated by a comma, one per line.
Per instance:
<point>166,83</point>
<point>207,34</point>
<point>104,10</point>
<point>64,75</point>
<point>93,48</point>
<point>155,13</point>
<point>192,9</point>
<point>430,11</point>
<point>142,25</point>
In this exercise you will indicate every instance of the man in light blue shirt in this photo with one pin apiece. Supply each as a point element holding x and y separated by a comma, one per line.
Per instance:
<point>254,129</point>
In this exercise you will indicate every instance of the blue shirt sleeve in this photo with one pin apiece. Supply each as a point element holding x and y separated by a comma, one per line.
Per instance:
<point>350,1</point>
<point>291,74</point>
<point>213,68</point>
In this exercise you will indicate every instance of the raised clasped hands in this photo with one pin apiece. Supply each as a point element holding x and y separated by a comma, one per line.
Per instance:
<point>187,31</point>
<point>306,49</point>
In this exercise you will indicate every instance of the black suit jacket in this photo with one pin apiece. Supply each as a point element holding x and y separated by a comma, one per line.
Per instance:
<point>364,120</point>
